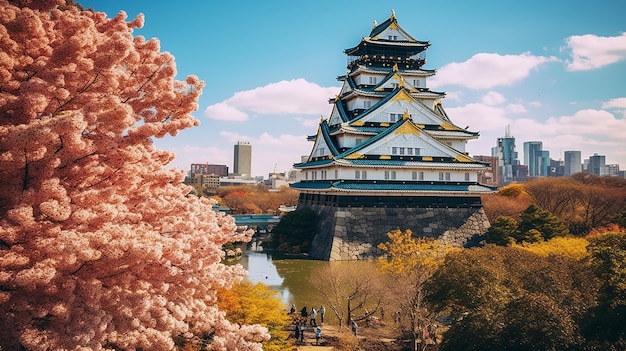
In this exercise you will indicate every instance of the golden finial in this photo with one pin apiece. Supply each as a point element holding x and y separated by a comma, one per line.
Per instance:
<point>395,67</point>
<point>393,14</point>
<point>406,114</point>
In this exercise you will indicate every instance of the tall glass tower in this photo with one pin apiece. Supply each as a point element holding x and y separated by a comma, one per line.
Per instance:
<point>537,160</point>
<point>573,163</point>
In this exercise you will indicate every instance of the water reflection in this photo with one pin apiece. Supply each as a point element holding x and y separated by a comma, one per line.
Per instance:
<point>290,277</point>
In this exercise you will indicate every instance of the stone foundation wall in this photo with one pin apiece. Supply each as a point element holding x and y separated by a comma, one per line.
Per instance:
<point>351,233</point>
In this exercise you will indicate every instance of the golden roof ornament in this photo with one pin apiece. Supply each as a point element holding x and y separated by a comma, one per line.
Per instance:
<point>406,114</point>
<point>375,24</point>
<point>393,14</point>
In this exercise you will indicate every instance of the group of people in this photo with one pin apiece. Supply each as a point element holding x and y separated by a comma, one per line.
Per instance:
<point>311,317</point>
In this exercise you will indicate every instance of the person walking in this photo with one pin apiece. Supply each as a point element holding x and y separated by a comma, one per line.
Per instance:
<point>303,312</point>
<point>293,309</point>
<point>313,316</point>
<point>322,311</point>
<point>318,335</point>
<point>355,328</point>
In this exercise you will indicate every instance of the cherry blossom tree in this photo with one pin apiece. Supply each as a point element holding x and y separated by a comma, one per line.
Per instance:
<point>100,246</point>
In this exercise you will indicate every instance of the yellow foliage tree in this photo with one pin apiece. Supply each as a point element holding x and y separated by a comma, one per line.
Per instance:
<point>573,247</point>
<point>246,302</point>
<point>406,253</point>
<point>408,263</point>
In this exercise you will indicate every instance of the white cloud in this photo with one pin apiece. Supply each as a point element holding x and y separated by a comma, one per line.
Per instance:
<point>479,117</point>
<point>485,71</point>
<point>516,108</point>
<point>591,51</point>
<point>225,112</point>
<point>493,98</point>
<point>296,96</point>
<point>615,103</point>
<point>454,95</point>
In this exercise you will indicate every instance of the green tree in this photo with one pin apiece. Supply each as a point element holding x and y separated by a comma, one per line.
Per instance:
<point>503,231</point>
<point>504,298</point>
<point>605,323</point>
<point>295,231</point>
<point>546,223</point>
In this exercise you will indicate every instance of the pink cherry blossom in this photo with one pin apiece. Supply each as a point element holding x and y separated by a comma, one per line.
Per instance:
<point>100,244</point>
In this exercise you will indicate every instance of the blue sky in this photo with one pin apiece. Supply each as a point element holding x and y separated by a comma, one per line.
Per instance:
<point>555,71</point>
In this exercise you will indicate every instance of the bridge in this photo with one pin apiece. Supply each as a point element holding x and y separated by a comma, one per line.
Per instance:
<point>258,221</point>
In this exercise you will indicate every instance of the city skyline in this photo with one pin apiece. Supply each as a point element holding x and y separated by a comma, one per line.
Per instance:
<point>270,69</point>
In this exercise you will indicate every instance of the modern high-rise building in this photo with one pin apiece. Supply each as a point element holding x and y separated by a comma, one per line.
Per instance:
<point>537,160</point>
<point>597,165</point>
<point>507,158</point>
<point>242,163</point>
<point>573,163</point>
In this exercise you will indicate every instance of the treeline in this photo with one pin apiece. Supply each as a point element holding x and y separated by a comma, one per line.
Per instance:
<point>561,294</point>
<point>581,202</point>
<point>259,199</point>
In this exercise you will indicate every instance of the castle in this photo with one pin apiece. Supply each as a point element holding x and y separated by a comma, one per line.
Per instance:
<point>389,157</point>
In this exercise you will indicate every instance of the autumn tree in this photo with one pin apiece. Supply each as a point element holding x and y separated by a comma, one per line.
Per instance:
<point>246,303</point>
<point>408,262</point>
<point>583,201</point>
<point>509,201</point>
<point>99,245</point>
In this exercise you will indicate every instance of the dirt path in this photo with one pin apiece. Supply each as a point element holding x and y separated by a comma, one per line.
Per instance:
<point>333,338</point>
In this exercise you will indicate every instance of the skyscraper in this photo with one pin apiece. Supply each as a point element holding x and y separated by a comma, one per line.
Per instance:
<point>597,165</point>
<point>537,160</point>
<point>572,163</point>
<point>507,158</point>
<point>242,163</point>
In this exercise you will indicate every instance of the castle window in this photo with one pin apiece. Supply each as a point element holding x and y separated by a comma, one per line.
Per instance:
<point>358,141</point>
<point>467,177</point>
<point>386,174</point>
<point>440,175</point>
<point>364,174</point>
<point>357,174</point>
<point>421,175</point>
<point>394,150</point>
<point>392,37</point>
<point>409,151</point>
<point>414,175</point>
<point>336,174</point>
<point>393,174</point>
<point>367,104</point>
<point>394,85</point>
<point>394,117</point>
<point>416,83</point>
<point>401,151</point>
<point>447,175</point>
<point>372,80</point>
<point>390,174</point>
<point>417,151</point>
